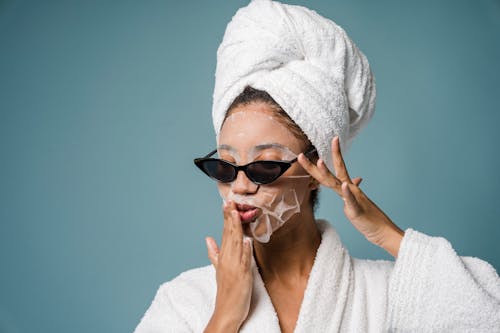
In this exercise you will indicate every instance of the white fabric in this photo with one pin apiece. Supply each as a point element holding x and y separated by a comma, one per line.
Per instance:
<point>429,288</point>
<point>305,61</point>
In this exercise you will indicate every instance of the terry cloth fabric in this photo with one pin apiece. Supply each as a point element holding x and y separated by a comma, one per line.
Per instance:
<point>429,288</point>
<point>308,65</point>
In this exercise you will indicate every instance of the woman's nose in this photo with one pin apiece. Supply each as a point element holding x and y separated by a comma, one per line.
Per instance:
<point>243,185</point>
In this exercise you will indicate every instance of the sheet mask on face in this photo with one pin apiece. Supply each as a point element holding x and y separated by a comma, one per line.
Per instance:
<point>276,205</point>
<point>278,201</point>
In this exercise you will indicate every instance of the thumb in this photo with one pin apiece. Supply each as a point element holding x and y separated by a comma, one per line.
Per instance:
<point>357,181</point>
<point>213,250</point>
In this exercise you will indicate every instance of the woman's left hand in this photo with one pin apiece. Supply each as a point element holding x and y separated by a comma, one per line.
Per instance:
<point>366,217</point>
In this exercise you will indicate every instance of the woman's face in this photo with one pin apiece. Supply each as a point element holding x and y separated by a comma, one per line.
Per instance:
<point>250,133</point>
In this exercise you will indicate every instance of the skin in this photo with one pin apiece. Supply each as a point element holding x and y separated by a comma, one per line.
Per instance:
<point>285,262</point>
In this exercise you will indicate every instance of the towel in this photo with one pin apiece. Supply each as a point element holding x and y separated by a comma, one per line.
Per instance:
<point>308,65</point>
<point>429,288</point>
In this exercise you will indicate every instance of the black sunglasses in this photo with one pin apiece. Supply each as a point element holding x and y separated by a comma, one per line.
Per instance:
<point>259,172</point>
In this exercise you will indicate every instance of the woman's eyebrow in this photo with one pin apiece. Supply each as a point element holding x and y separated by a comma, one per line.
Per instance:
<point>226,147</point>
<point>258,147</point>
<point>270,145</point>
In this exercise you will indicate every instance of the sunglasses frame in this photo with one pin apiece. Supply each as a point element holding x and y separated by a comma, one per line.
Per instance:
<point>284,165</point>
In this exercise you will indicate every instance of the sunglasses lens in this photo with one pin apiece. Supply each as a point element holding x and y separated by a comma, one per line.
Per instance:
<point>264,172</point>
<point>219,170</point>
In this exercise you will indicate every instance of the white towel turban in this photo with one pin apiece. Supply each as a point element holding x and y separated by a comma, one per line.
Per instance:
<point>308,65</point>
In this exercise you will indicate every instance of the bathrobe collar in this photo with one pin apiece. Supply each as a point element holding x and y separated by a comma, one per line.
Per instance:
<point>325,297</point>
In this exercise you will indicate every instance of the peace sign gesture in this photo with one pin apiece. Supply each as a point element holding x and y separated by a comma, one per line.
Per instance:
<point>363,213</point>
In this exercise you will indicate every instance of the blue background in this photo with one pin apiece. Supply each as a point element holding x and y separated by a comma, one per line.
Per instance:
<point>103,105</point>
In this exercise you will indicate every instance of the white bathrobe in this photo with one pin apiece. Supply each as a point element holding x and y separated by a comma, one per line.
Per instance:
<point>429,288</point>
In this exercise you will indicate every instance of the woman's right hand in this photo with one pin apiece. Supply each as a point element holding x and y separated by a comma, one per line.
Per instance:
<point>232,263</point>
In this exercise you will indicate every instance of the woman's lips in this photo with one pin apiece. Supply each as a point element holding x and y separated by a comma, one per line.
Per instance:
<point>248,215</point>
<point>247,212</point>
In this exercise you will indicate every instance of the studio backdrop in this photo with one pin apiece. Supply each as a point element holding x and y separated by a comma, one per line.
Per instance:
<point>104,104</point>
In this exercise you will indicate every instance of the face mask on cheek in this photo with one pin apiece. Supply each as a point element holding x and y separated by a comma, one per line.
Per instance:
<point>275,204</point>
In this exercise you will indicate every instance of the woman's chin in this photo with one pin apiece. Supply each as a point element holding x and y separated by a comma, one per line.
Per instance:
<point>260,231</point>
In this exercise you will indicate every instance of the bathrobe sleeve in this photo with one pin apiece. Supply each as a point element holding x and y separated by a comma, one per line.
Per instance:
<point>432,289</point>
<point>182,305</point>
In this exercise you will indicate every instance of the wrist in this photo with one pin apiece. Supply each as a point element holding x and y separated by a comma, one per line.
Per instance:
<point>391,241</point>
<point>222,323</point>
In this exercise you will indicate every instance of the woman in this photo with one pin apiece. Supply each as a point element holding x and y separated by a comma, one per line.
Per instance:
<point>291,92</point>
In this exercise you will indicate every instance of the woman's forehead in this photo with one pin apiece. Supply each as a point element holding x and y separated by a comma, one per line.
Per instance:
<point>254,124</point>
<point>280,149</point>
<point>256,130</point>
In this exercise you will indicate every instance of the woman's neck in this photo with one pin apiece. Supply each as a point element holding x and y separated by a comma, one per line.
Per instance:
<point>290,254</point>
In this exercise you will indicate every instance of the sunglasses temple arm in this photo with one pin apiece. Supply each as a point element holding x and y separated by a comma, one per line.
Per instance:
<point>211,153</point>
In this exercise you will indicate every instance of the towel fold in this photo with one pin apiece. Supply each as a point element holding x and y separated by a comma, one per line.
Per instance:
<point>306,62</point>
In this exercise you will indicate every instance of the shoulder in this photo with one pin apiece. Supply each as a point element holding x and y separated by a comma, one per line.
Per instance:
<point>192,291</point>
<point>371,280</point>
<point>182,304</point>
<point>189,289</point>
<point>191,284</point>
<point>372,269</point>
<point>196,275</point>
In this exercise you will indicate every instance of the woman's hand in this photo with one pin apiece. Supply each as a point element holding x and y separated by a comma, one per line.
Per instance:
<point>233,274</point>
<point>366,217</point>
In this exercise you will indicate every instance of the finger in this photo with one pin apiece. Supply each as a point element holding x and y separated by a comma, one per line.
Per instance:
<point>325,172</point>
<point>226,232</point>
<point>309,166</point>
<point>247,254</point>
<point>237,233</point>
<point>322,175</point>
<point>213,250</point>
<point>333,182</point>
<point>236,220</point>
<point>356,181</point>
<point>338,161</point>
<point>349,198</point>
<point>233,234</point>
